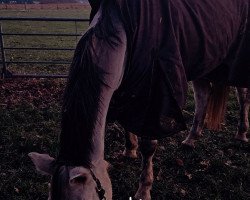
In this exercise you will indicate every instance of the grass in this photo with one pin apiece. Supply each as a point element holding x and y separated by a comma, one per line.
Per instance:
<point>41,41</point>
<point>218,168</point>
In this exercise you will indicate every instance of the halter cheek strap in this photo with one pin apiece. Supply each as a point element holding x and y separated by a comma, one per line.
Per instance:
<point>99,189</point>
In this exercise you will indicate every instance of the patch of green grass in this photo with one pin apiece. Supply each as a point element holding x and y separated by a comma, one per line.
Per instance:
<point>218,168</point>
<point>27,124</point>
<point>25,129</point>
<point>42,41</point>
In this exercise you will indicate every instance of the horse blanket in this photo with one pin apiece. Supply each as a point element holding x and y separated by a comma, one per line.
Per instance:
<point>171,42</point>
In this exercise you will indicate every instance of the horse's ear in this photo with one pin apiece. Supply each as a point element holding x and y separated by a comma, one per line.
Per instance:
<point>78,175</point>
<point>43,163</point>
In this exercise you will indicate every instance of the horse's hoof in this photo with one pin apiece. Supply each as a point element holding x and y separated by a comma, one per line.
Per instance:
<point>241,137</point>
<point>188,143</point>
<point>130,154</point>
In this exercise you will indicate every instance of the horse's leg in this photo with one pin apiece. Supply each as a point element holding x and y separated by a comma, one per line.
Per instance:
<point>244,101</point>
<point>202,91</point>
<point>147,148</point>
<point>131,145</point>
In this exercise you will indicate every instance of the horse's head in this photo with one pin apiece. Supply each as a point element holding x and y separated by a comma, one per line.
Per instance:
<point>74,183</point>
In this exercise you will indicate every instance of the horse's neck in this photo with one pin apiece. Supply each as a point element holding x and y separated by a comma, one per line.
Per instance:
<point>109,55</point>
<point>98,135</point>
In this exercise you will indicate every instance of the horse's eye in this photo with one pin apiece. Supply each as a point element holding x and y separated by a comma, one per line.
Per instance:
<point>79,180</point>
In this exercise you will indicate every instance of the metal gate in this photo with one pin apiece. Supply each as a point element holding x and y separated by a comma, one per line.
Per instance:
<point>6,62</point>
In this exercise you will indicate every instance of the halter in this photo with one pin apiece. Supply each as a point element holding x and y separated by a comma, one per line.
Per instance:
<point>99,189</point>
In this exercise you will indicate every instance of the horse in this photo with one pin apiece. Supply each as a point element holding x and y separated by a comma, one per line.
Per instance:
<point>133,64</point>
<point>202,92</point>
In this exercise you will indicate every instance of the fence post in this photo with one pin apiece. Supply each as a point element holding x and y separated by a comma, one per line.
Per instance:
<point>2,53</point>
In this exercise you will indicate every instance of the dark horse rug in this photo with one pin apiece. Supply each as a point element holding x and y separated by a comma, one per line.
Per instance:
<point>171,42</point>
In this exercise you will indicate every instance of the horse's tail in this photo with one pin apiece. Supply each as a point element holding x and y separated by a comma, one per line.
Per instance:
<point>216,107</point>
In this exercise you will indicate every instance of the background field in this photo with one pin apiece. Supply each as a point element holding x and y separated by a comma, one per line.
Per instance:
<point>42,41</point>
<point>218,168</point>
<point>51,6</point>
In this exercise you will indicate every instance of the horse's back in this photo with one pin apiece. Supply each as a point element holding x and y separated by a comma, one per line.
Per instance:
<point>189,36</point>
<point>211,33</point>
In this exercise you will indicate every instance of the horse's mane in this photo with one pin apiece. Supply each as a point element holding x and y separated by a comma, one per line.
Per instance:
<point>82,94</point>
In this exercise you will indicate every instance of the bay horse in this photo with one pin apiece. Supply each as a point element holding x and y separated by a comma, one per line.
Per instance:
<point>133,64</point>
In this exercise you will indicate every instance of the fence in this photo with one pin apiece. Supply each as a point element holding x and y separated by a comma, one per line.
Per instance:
<point>5,62</point>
